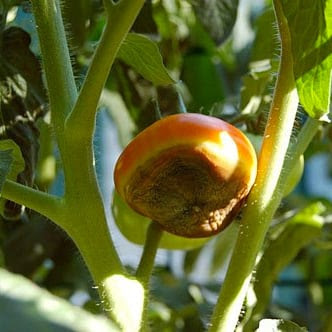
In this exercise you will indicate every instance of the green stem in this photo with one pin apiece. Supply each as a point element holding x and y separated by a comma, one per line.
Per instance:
<point>60,80</point>
<point>120,18</point>
<point>144,269</point>
<point>145,266</point>
<point>265,197</point>
<point>45,204</point>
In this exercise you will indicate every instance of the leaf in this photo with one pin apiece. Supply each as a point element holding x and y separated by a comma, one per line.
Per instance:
<point>279,325</point>
<point>310,25</point>
<point>17,164</point>
<point>285,241</point>
<point>217,17</point>
<point>199,71</point>
<point>6,161</point>
<point>134,227</point>
<point>223,246</point>
<point>26,307</point>
<point>11,164</point>
<point>143,55</point>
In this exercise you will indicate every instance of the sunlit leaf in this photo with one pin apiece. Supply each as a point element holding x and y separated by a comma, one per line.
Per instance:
<point>26,307</point>
<point>310,25</point>
<point>143,55</point>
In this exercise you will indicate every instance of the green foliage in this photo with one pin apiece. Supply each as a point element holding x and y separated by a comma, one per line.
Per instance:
<point>217,17</point>
<point>12,164</point>
<point>5,164</point>
<point>283,244</point>
<point>311,36</point>
<point>27,307</point>
<point>143,55</point>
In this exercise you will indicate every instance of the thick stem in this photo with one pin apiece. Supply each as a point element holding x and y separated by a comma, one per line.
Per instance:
<point>265,197</point>
<point>45,204</point>
<point>56,61</point>
<point>120,18</point>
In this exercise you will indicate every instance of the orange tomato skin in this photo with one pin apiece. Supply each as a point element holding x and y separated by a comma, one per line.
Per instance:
<point>201,139</point>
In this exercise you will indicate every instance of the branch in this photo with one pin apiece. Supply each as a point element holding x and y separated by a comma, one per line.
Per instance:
<point>48,205</point>
<point>120,18</point>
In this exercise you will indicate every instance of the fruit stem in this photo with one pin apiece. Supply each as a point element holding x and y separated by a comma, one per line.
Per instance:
<point>153,236</point>
<point>144,269</point>
<point>265,197</point>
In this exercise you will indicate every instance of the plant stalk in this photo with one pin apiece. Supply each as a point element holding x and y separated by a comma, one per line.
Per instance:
<point>43,203</point>
<point>265,197</point>
<point>60,80</point>
<point>120,17</point>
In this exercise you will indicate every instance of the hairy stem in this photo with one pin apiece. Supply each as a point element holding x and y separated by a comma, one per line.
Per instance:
<point>120,17</point>
<point>45,204</point>
<point>265,197</point>
<point>60,80</point>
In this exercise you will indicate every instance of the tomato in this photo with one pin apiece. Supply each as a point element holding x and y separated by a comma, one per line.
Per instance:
<point>133,227</point>
<point>188,172</point>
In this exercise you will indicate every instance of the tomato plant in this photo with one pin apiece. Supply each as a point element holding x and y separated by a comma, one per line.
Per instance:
<point>74,74</point>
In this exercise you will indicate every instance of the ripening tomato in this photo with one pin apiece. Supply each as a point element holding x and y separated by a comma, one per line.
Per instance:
<point>188,172</point>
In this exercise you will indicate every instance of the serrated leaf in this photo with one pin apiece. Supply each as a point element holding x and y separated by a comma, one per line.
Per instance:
<point>310,25</point>
<point>217,17</point>
<point>279,325</point>
<point>141,53</point>
<point>284,243</point>
<point>26,307</point>
<point>134,227</point>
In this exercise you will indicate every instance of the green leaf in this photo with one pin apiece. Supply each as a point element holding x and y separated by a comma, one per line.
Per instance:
<point>143,55</point>
<point>279,325</point>
<point>217,16</point>
<point>26,307</point>
<point>199,71</point>
<point>17,165</point>
<point>6,161</point>
<point>284,243</point>
<point>223,246</point>
<point>11,164</point>
<point>134,226</point>
<point>310,25</point>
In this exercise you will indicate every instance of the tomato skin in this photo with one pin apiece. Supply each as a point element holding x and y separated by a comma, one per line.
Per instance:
<point>189,172</point>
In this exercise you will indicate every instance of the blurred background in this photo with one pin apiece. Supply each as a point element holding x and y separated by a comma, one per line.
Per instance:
<point>224,62</point>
